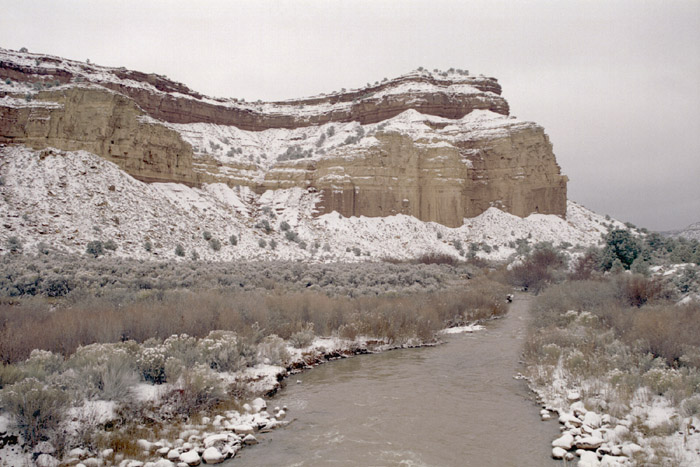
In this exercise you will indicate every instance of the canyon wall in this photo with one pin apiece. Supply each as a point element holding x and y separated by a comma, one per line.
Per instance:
<point>417,151</point>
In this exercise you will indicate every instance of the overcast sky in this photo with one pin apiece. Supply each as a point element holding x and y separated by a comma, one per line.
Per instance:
<point>616,84</point>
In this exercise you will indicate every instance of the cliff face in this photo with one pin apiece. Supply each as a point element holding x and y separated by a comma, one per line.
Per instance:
<point>437,146</point>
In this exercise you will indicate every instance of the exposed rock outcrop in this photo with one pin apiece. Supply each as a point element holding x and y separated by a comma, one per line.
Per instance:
<point>437,146</point>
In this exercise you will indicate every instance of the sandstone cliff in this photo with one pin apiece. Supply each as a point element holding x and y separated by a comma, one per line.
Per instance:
<point>439,146</point>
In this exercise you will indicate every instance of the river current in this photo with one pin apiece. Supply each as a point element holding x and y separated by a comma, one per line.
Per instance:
<point>455,404</point>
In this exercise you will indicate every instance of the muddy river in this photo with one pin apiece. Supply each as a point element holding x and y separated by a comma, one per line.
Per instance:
<point>451,405</point>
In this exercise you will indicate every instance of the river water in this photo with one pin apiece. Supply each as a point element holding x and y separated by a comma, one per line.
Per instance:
<point>451,405</point>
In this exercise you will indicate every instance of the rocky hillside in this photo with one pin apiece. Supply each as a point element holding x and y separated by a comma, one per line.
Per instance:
<point>438,146</point>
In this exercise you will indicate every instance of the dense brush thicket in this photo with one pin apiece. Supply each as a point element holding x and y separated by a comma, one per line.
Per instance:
<point>58,275</point>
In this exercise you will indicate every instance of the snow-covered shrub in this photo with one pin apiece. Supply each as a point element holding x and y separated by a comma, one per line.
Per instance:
<point>660,380</point>
<point>273,244</point>
<point>110,245</point>
<point>691,406</point>
<point>104,371</point>
<point>179,250</point>
<point>273,350</point>
<point>284,226</point>
<point>148,246</point>
<point>197,389</point>
<point>151,364</point>
<point>291,235</point>
<point>95,248</point>
<point>215,244</point>
<point>41,364</point>
<point>330,131</point>
<point>262,243</point>
<point>304,337</point>
<point>233,240</point>
<point>37,408</point>
<point>226,351</point>
<point>182,347</point>
<point>264,225</point>
<point>14,245</point>
<point>206,235</point>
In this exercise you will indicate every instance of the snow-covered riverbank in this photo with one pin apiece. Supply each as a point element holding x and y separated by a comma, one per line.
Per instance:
<point>212,436</point>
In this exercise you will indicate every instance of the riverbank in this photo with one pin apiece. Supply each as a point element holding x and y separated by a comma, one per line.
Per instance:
<point>212,435</point>
<point>600,367</point>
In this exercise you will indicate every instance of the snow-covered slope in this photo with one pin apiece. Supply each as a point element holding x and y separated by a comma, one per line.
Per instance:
<point>63,200</point>
<point>691,232</point>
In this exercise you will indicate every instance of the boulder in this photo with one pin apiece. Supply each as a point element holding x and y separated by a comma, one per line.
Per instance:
<point>589,442</point>
<point>588,459</point>
<point>558,453</point>
<point>565,441</point>
<point>217,439</point>
<point>613,461</point>
<point>258,404</point>
<point>243,429</point>
<point>250,440</point>
<point>212,455</point>
<point>190,457</point>
<point>46,460</point>
<point>569,418</point>
<point>592,419</point>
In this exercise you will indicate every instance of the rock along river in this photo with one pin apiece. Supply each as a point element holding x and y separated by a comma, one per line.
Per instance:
<point>455,404</point>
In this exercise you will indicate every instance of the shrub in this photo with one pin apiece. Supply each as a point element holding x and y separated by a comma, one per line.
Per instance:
<point>273,350</point>
<point>37,408</point>
<point>537,270</point>
<point>207,235</point>
<point>437,258</point>
<point>291,235</point>
<point>14,245</point>
<point>262,243</point>
<point>233,240</point>
<point>303,338</point>
<point>637,290</point>
<point>151,364</point>
<point>284,226</point>
<point>197,389</point>
<point>148,246</point>
<point>95,248</point>
<point>215,244</point>
<point>273,244</point>
<point>110,245</point>
<point>264,225</point>
<point>179,250</point>
<point>9,375</point>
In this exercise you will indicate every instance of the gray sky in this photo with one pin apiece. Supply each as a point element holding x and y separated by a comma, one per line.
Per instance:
<point>616,84</point>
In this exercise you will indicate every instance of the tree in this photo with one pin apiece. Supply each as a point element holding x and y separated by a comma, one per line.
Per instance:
<point>621,245</point>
